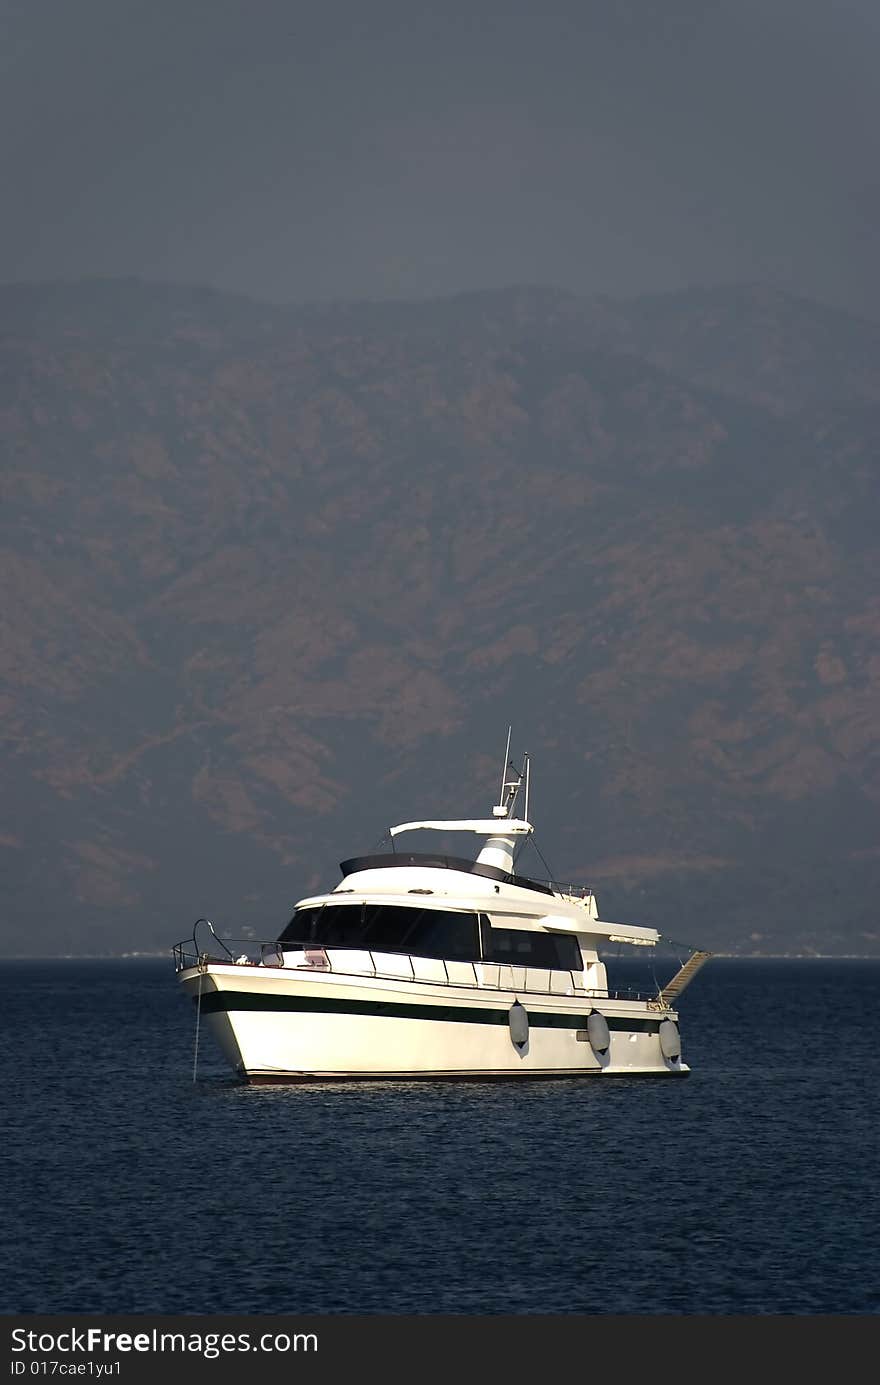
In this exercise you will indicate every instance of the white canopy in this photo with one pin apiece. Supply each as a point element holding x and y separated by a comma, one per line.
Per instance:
<point>487,827</point>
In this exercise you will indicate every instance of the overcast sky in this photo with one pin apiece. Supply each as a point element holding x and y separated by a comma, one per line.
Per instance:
<point>294,149</point>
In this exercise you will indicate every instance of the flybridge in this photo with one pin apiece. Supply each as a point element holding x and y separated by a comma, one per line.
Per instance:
<point>499,830</point>
<point>496,859</point>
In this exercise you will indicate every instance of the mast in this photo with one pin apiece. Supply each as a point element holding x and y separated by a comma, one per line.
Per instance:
<point>498,850</point>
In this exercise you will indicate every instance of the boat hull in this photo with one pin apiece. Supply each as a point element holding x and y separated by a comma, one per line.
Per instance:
<point>278,1025</point>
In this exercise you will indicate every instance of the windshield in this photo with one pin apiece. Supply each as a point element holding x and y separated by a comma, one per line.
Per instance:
<point>387,928</point>
<point>442,933</point>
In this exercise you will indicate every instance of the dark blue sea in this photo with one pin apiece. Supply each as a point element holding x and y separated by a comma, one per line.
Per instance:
<point>751,1187</point>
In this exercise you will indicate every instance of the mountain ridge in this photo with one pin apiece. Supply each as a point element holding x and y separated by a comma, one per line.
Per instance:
<point>253,563</point>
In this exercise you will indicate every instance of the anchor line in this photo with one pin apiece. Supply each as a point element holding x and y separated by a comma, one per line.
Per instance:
<point>198,1020</point>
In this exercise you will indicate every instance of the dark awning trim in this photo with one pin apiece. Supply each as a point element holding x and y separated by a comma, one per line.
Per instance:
<point>401,858</point>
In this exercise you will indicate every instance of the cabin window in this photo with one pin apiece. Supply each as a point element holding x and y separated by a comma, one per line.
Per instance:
<point>388,928</point>
<point>519,948</point>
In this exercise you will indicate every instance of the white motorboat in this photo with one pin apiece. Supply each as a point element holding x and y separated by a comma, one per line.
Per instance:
<point>431,966</point>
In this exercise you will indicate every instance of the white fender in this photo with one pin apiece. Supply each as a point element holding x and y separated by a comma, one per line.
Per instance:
<point>598,1033</point>
<point>670,1039</point>
<point>518,1019</point>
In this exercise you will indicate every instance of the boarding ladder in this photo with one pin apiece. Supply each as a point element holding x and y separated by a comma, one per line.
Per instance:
<point>673,989</point>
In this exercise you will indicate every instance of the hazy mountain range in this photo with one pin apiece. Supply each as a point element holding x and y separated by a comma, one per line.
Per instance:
<point>276,577</point>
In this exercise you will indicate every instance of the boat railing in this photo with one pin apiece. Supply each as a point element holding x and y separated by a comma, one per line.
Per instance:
<point>240,952</point>
<point>245,952</point>
<point>578,894</point>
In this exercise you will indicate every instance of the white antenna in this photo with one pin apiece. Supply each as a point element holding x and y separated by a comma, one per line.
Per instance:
<point>526,768</point>
<point>504,768</point>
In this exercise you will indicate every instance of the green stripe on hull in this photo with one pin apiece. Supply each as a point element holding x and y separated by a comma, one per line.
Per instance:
<point>218,1001</point>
